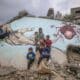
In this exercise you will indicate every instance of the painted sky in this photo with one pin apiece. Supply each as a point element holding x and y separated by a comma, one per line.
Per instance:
<point>10,8</point>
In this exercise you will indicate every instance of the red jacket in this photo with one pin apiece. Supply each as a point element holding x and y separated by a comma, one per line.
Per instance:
<point>48,43</point>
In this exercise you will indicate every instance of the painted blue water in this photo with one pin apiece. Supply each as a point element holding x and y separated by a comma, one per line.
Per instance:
<point>45,24</point>
<point>8,51</point>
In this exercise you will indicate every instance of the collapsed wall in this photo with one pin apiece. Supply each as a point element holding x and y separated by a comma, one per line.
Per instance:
<point>73,56</point>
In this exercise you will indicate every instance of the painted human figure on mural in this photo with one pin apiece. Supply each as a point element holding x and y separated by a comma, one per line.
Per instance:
<point>68,31</point>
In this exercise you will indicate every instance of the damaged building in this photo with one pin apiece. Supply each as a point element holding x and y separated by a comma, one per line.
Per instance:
<point>76,13</point>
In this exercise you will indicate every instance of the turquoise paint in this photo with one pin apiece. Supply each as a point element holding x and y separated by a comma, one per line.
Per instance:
<point>8,51</point>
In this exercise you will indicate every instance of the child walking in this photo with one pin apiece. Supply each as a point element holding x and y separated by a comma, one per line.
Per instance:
<point>30,57</point>
<point>44,53</point>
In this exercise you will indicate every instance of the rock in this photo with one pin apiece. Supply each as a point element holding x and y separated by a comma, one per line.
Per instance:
<point>6,71</point>
<point>31,78</point>
<point>58,57</point>
<point>20,73</point>
<point>12,78</point>
<point>73,55</point>
<point>78,75</point>
<point>29,75</point>
<point>58,78</point>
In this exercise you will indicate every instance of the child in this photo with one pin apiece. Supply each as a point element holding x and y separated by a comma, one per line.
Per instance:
<point>40,34</point>
<point>42,41</point>
<point>44,53</point>
<point>30,57</point>
<point>48,43</point>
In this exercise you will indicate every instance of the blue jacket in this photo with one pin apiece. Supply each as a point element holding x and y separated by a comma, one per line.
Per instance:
<point>31,56</point>
<point>45,53</point>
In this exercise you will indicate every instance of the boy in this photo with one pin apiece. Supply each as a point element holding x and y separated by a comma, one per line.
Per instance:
<point>44,53</point>
<point>40,34</point>
<point>48,43</point>
<point>30,57</point>
<point>42,41</point>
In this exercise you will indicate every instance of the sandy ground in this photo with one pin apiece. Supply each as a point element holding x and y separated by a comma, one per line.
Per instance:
<point>55,67</point>
<point>19,60</point>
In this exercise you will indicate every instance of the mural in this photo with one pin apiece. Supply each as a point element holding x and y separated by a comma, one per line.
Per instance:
<point>68,31</point>
<point>15,37</point>
<point>21,34</point>
<point>21,37</point>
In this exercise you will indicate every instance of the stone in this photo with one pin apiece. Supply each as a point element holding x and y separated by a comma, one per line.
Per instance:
<point>31,78</point>
<point>6,71</point>
<point>78,75</point>
<point>58,57</point>
<point>12,78</point>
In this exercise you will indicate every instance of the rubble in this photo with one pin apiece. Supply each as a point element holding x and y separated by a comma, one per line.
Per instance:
<point>70,70</point>
<point>73,56</point>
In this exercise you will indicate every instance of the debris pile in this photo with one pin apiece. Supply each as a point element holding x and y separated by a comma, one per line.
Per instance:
<point>73,55</point>
<point>70,71</point>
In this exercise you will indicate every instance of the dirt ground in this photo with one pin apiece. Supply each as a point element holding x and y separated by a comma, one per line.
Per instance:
<point>51,71</point>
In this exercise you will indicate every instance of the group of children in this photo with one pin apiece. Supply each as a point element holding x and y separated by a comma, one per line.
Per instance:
<point>43,47</point>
